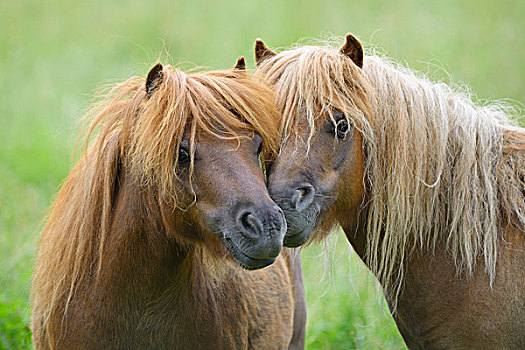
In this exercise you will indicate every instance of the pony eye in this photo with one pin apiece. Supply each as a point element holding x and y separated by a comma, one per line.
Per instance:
<point>342,128</point>
<point>184,156</point>
<point>259,150</point>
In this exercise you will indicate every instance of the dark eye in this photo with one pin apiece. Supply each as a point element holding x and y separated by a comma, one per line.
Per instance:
<point>184,156</point>
<point>342,127</point>
<point>259,150</point>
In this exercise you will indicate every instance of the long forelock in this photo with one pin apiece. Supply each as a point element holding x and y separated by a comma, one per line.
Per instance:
<point>219,103</point>
<point>311,82</point>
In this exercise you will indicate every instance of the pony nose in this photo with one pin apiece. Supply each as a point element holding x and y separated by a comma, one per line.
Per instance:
<point>265,229</point>
<point>303,196</point>
<point>258,223</point>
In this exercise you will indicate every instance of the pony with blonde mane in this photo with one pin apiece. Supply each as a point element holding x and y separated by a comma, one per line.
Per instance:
<point>144,244</point>
<point>427,185</point>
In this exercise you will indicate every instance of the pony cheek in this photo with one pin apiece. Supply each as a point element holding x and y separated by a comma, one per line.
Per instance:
<point>341,155</point>
<point>175,223</point>
<point>329,182</point>
<point>210,216</point>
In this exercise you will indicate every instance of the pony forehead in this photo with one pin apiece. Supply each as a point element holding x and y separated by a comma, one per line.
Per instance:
<point>322,72</point>
<point>301,62</point>
<point>222,86</point>
<point>216,101</point>
<point>311,81</point>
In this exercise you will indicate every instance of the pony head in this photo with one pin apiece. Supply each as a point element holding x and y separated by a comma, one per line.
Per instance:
<point>322,96</point>
<point>196,143</point>
<point>200,141</point>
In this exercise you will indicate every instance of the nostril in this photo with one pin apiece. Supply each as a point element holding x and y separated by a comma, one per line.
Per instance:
<point>303,196</point>
<point>251,226</point>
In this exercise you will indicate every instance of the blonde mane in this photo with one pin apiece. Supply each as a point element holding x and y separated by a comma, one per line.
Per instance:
<point>140,135</point>
<point>439,167</point>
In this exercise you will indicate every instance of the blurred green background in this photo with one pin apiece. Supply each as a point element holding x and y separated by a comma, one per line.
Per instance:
<point>54,54</point>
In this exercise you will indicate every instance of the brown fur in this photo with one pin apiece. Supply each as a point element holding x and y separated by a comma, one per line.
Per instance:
<point>131,255</point>
<point>428,189</point>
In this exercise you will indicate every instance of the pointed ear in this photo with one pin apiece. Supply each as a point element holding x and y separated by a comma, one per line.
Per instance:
<point>262,52</point>
<point>154,79</point>
<point>353,50</point>
<point>241,64</point>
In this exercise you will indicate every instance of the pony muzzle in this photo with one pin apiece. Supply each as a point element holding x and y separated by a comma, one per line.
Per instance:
<point>300,209</point>
<point>259,237</point>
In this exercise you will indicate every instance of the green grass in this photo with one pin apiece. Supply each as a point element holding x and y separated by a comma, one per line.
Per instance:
<point>53,55</point>
<point>345,306</point>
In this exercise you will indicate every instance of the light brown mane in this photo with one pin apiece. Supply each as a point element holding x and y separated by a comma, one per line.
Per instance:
<point>141,135</point>
<point>439,167</point>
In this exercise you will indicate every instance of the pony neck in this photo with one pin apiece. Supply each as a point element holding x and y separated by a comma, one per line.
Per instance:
<point>436,167</point>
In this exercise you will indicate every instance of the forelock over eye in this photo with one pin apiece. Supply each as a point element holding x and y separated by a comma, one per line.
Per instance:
<point>183,157</point>
<point>342,128</point>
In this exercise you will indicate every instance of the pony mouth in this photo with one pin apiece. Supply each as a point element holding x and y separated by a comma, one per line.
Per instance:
<point>295,240</point>
<point>244,260</point>
<point>298,236</point>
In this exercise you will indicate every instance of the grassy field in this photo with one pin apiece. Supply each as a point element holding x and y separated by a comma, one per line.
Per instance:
<point>53,55</point>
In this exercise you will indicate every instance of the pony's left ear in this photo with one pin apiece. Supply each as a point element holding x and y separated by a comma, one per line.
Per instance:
<point>154,79</point>
<point>241,64</point>
<point>353,50</point>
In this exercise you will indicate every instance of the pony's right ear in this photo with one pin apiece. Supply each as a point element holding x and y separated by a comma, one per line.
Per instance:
<point>262,52</point>
<point>241,64</point>
<point>154,79</point>
<point>353,50</point>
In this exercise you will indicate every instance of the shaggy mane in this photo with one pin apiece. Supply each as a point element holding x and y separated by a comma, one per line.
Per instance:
<point>141,135</point>
<point>439,167</point>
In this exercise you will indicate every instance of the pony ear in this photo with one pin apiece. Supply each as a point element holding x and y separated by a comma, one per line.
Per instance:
<point>353,50</point>
<point>241,64</point>
<point>262,52</point>
<point>154,79</point>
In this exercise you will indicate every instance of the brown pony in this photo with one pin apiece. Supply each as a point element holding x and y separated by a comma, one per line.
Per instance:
<point>427,185</point>
<point>143,243</point>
